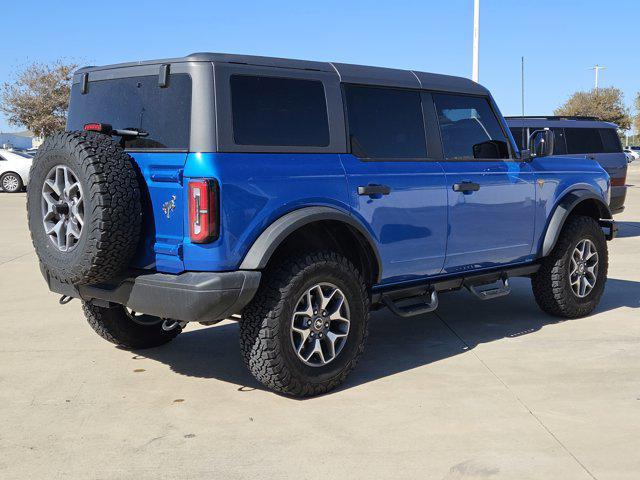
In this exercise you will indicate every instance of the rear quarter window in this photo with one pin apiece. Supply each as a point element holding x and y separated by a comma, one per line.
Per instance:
<point>137,102</point>
<point>273,111</point>
<point>610,140</point>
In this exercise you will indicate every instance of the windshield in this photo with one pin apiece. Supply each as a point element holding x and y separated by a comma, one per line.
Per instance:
<point>137,102</point>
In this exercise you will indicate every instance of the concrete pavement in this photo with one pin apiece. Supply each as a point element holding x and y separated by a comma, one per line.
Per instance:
<point>478,390</point>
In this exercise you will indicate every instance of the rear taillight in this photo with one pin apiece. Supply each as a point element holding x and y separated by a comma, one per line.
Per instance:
<point>204,218</point>
<point>618,182</point>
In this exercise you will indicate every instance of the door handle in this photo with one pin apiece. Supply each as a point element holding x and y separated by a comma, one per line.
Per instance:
<point>465,187</point>
<point>374,190</point>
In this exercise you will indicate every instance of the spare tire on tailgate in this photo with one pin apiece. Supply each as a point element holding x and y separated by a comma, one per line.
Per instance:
<point>83,206</point>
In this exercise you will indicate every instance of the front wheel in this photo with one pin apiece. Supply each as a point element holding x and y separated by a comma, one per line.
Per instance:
<point>306,328</point>
<point>570,281</point>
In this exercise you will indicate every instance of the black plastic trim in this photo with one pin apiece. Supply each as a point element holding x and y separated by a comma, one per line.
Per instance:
<point>562,212</point>
<point>189,296</point>
<point>266,244</point>
<point>450,283</point>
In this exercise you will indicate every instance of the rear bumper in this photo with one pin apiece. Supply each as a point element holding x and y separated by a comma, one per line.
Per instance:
<point>189,296</point>
<point>618,196</point>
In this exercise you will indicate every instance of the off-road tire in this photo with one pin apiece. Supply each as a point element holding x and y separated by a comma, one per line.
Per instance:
<point>112,209</point>
<point>19,185</point>
<point>116,326</point>
<point>264,329</point>
<point>551,286</point>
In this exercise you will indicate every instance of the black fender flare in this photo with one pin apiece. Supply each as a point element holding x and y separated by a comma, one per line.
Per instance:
<point>270,239</point>
<point>563,210</point>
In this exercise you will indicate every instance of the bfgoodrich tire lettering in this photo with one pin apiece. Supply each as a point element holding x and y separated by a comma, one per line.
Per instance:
<point>552,283</point>
<point>265,329</point>
<point>112,210</point>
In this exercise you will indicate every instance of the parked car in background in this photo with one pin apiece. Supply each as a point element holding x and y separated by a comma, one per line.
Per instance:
<point>581,137</point>
<point>633,151</point>
<point>630,156</point>
<point>14,170</point>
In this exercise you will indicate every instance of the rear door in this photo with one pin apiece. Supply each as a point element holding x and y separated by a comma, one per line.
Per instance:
<point>394,186</point>
<point>164,113</point>
<point>491,195</point>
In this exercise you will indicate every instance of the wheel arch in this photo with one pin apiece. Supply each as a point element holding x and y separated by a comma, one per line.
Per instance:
<point>576,202</point>
<point>317,227</point>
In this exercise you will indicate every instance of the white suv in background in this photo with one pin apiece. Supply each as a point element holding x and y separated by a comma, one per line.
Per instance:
<point>14,170</point>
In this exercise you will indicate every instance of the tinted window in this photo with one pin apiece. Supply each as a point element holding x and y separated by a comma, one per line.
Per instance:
<point>385,123</point>
<point>560,145</point>
<point>519,134</point>
<point>610,140</point>
<point>279,111</point>
<point>469,128</point>
<point>137,102</point>
<point>583,140</point>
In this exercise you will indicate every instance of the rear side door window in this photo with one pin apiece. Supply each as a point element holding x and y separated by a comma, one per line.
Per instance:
<point>469,128</point>
<point>273,111</point>
<point>519,135</point>
<point>560,142</point>
<point>385,123</point>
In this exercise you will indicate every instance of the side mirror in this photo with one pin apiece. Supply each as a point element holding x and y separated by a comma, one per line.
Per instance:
<point>541,142</point>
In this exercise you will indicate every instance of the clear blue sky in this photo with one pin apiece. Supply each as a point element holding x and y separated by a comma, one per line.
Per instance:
<point>559,39</point>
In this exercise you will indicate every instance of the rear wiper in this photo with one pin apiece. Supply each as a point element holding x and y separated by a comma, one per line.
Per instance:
<point>109,130</point>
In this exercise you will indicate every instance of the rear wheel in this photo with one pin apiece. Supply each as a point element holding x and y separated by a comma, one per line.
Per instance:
<point>11,182</point>
<point>128,329</point>
<point>305,329</point>
<point>571,279</point>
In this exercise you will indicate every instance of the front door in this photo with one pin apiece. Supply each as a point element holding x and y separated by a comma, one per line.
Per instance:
<point>394,189</point>
<point>491,195</point>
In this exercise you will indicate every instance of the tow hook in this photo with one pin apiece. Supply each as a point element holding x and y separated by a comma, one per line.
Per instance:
<point>169,325</point>
<point>64,299</point>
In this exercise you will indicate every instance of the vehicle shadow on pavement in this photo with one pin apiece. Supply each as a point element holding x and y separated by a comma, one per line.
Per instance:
<point>395,344</point>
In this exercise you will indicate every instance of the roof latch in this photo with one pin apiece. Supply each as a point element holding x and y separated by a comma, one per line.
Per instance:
<point>163,76</point>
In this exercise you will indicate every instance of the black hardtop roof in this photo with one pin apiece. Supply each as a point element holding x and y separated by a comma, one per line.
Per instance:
<point>558,121</point>
<point>347,73</point>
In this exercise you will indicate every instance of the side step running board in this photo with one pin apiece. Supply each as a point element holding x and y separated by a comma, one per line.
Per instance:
<point>497,291</point>
<point>428,303</point>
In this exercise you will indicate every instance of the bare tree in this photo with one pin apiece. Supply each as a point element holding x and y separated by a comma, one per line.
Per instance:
<point>38,98</point>
<point>604,103</point>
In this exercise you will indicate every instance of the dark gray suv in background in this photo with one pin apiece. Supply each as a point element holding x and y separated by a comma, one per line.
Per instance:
<point>581,136</point>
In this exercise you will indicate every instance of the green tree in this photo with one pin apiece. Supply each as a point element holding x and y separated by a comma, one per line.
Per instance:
<point>604,103</point>
<point>38,98</point>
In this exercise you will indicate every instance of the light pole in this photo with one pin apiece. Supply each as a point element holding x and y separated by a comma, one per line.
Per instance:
<point>476,38</point>
<point>597,69</point>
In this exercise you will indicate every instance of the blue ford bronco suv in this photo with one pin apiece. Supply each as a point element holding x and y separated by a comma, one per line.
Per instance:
<point>295,196</point>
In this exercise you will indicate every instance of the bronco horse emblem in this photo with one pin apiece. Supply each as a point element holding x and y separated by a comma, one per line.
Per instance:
<point>170,206</point>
